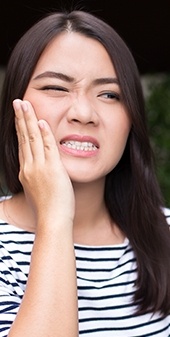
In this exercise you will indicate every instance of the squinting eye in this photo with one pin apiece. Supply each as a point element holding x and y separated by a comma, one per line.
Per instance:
<point>55,88</point>
<point>110,95</point>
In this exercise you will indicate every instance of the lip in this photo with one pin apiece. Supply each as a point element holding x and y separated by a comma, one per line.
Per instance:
<point>82,139</point>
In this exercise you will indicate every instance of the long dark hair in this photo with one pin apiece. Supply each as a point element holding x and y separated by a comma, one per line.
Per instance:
<point>132,194</point>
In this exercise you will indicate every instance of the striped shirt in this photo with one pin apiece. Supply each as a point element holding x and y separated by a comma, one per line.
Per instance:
<point>105,283</point>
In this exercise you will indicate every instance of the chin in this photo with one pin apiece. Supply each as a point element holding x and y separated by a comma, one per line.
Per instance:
<point>84,178</point>
<point>81,179</point>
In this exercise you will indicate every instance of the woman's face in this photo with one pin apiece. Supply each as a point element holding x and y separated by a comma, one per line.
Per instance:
<point>75,89</point>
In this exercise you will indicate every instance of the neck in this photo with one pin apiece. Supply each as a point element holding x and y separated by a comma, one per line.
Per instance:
<point>92,223</point>
<point>89,203</point>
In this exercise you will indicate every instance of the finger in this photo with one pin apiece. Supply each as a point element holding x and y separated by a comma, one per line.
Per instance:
<point>22,134</point>
<point>29,134</point>
<point>49,142</point>
<point>19,147</point>
<point>34,134</point>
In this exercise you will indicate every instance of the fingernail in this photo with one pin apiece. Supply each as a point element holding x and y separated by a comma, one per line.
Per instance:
<point>17,104</point>
<point>24,106</point>
<point>41,124</point>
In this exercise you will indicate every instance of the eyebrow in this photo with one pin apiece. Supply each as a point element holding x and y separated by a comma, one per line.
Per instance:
<point>70,79</point>
<point>53,74</point>
<point>106,80</point>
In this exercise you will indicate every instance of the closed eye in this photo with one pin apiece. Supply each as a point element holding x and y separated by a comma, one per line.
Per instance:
<point>55,88</point>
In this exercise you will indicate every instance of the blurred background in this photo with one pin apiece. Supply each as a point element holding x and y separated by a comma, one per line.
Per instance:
<point>144,25</point>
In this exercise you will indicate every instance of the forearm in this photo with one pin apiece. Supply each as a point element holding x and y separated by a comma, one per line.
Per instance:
<point>49,306</point>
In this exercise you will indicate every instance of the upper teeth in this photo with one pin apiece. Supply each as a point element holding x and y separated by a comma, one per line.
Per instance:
<point>84,146</point>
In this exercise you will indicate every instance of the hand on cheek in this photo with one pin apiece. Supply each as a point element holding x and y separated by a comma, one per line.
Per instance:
<point>45,181</point>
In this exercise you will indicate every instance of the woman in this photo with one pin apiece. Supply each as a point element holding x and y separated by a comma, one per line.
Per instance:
<point>84,236</point>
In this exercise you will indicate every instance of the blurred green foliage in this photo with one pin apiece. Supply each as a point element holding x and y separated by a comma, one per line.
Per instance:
<point>158,109</point>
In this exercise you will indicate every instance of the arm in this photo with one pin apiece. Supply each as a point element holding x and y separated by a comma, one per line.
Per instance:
<point>49,305</point>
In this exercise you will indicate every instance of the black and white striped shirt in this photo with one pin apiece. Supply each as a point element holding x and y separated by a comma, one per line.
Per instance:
<point>106,283</point>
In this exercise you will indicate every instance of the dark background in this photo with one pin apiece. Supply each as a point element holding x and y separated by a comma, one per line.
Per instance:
<point>144,25</point>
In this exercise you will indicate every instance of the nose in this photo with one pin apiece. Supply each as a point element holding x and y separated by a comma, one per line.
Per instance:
<point>82,111</point>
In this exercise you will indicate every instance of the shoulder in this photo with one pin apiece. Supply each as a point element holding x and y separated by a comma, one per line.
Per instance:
<point>2,213</point>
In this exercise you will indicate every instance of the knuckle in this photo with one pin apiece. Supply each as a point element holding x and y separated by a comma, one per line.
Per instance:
<point>22,139</point>
<point>32,137</point>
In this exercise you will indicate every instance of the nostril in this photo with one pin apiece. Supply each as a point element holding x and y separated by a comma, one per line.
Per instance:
<point>78,121</point>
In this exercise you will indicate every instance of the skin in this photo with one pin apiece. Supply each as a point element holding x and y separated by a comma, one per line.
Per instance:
<point>82,104</point>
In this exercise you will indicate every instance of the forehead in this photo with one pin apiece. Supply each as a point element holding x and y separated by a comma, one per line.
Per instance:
<point>75,53</point>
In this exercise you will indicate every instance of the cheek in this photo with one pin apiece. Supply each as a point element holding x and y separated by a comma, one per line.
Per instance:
<point>42,108</point>
<point>37,103</point>
<point>119,128</point>
<point>117,138</point>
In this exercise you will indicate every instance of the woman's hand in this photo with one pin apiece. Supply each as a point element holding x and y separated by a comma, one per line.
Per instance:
<point>49,306</point>
<point>45,181</point>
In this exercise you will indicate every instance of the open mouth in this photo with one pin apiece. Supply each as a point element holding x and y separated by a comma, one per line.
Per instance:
<point>79,146</point>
